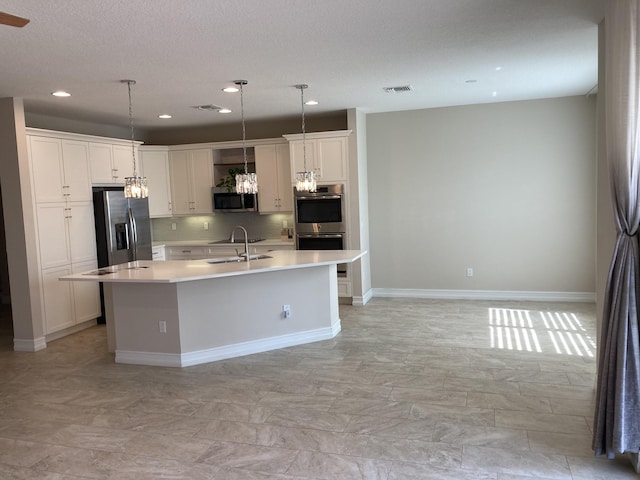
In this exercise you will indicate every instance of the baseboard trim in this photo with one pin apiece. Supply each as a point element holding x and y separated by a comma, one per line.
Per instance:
<point>361,301</point>
<point>73,329</point>
<point>228,351</point>
<point>486,295</point>
<point>29,345</point>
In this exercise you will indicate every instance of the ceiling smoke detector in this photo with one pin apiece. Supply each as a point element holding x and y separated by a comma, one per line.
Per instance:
<point>400,89</point>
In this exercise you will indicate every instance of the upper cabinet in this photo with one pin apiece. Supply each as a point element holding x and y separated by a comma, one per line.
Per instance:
<point>154,164</point>
<point>60,169</point>
<point>111,163</point>
<point>327,155</point>
<point>191,175</point>
<point>275,193</point>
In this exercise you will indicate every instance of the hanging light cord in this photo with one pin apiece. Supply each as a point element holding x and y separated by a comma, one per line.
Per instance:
<point>244,132</point>
<point>133,146</point>
<point>304,136</point>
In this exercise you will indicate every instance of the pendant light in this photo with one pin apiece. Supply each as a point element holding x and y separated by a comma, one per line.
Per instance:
<point>305,181</point>
<point>245,182</point>
<point>135,186</point>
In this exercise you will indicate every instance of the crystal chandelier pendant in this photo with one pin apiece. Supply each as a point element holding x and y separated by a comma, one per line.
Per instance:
<point>135,187</point>
<point>306,181</point>
<point>247,183</point>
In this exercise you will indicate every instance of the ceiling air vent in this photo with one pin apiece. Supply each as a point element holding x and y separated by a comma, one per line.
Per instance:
<point>209,108</point>
<point>400,89</point>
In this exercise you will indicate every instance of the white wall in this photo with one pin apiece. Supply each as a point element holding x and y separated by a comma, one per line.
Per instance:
<point>505,188</point>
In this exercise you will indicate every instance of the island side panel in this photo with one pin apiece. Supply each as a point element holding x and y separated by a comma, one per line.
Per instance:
<point>138,309</point>
<point>230,311</point>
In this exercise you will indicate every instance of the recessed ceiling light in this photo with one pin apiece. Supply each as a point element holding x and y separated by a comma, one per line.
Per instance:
<point>164,115</point>
<point>311,102</point>
<point>61,93</point>
<point>495,94</point>
<point>224,110</point>
<point>231,89</point>
<point>498,69</point>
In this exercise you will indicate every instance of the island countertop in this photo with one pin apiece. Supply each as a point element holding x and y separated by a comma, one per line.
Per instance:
<point>174,271</point>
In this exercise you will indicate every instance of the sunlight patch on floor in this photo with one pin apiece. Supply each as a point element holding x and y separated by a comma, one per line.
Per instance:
<point>532,331</point>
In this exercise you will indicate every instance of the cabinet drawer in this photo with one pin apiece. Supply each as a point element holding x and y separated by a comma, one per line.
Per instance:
<point>158,253</point>
<point>186,253</point>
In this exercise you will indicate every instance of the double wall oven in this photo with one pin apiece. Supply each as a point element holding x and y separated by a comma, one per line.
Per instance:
<point>320,220</point>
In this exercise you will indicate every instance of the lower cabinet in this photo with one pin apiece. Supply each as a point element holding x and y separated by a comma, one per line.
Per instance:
<point>58,299</point>
<point>159,253</point>
<point>68,303</point>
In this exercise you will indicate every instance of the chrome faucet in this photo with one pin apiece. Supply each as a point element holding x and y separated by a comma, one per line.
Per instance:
<point>246,240</point>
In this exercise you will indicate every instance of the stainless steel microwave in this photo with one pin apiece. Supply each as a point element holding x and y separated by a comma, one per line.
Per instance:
<point>224,201</point>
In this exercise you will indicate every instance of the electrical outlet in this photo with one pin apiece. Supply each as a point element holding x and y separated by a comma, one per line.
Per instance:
<point>469,272</point>
<point>162,326</point>
<point>173,226</point>
<point>285,224</point>
<point>206,225</point>
<point>286,311</point>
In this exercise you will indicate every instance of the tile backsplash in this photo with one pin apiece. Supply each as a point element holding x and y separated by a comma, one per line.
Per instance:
<point>219,226</point>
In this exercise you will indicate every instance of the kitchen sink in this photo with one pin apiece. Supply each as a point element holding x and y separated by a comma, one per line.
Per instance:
<point>237,258</point>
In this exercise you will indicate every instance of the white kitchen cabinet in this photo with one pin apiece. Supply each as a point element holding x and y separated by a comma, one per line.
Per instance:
<point>60,169</point>
<point>273,169</point>
<point>154,163</point>
<point>66,233</point>
<point>66,241</point>
<point>159,253</point>
<point>68,303</point>
<point>191,175</point>
<point>327,155</point>
<point>110,163</point>
<point>86,295</point>
<point>58,299</point>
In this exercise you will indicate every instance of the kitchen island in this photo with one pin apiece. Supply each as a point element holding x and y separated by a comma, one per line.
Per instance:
<point>182,313</point>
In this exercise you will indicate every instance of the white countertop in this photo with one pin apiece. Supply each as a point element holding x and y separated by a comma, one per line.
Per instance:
<point>173,271</point>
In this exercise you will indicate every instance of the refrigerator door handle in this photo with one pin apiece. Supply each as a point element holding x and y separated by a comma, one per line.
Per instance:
<point>134,234</point>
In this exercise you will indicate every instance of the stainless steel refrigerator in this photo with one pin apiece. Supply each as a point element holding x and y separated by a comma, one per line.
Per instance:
<point>123,227</point>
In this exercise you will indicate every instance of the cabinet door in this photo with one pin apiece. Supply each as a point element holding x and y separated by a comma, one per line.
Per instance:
<point>77,175</point>
<point>297,158</point>
<point>266,170</point>
<point>332,159</point>
<point>285,190</point>
<point>58,301</point>
<point>201,180</point>
<point>48,174</point>
<point>179,176</point>
<point>81,227</point>
<point>86,295</point>
<point>123,163</point>
<point>155,166</point>
<point>53,235</point>
<point>100,161</point>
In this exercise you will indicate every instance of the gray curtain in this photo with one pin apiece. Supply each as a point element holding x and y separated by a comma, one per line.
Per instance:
<point>617,415</point>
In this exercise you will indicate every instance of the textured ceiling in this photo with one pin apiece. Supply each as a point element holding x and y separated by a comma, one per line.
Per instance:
<point>183,52</point>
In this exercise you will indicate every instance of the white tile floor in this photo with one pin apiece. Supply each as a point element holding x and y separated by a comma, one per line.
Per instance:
<point>410,389</point>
